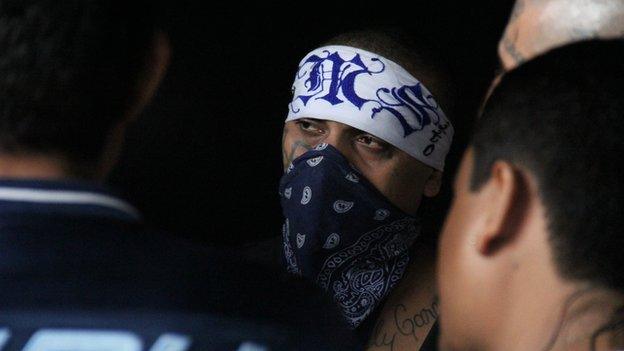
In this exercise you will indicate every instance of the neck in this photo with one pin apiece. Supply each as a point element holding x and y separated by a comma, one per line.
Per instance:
<point>33,167</point>
<point>556,315</point>
<point>538,309</point>
<point>593,321</point>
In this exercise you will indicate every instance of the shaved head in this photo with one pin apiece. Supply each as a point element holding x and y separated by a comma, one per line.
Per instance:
<point>537,26</point>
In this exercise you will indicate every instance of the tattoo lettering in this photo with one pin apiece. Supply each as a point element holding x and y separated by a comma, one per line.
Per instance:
<point>293,151</point>
<point>405,325</point>
<point>381,341</point>
<point>288,157</point>
<point>511,49</point>
<point>517,10</point>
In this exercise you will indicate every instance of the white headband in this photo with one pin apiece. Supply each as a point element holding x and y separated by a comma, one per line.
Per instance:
<point>371,93</point>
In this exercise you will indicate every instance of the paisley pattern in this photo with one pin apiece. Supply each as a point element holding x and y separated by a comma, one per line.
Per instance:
<point>342,234</point>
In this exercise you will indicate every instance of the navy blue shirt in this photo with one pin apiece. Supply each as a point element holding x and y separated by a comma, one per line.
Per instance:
<point>75,258</point>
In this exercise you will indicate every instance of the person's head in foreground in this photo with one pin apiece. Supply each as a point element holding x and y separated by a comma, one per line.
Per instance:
<point>72,74</point>
<point>77,257</point>
<point>363,142</point>
<point>538,26</point>
<point>530,256</point>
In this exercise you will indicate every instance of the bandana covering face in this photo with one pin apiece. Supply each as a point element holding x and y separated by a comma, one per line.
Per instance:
<point>342,233</point>
<point>371,93</point>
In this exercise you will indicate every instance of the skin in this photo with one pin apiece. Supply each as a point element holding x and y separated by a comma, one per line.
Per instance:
<point>55,166</point>
<point>402,179</point>
<point>537,26</point>
<point>499,288</point>
<point>411,309</point>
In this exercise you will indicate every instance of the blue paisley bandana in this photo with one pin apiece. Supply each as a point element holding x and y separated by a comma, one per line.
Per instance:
<point>342,233</point>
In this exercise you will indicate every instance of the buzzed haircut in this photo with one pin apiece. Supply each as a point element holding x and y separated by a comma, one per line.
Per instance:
<point>69,72</point>
<point>560,116</point>
<point>419,56</point>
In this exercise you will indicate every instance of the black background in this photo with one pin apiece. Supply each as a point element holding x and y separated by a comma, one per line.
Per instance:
<point>204,160</point>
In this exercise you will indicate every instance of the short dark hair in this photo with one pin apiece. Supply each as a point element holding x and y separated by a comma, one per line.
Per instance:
<point>68,72</point>
<point>419,56</point>
<point>561,117</point>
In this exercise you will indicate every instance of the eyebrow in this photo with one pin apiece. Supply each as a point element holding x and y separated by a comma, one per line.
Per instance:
<point>349,128</point>
<point>318,120</point>
<point>354,131</point>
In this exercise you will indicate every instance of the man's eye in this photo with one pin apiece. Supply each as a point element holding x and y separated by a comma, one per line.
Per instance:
<point>366,140</point>
<point>372,142</point>
<point>304,125</point>
<point>309,127</point>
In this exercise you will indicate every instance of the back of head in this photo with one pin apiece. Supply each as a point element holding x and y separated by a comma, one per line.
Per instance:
<point>68,73</point>
<point>417,56</point>
<point>538,26</point>
<point>561,117</point>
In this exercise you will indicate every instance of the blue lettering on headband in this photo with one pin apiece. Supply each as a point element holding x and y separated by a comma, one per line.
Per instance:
<point>341,79</point>
<point>413,98</point>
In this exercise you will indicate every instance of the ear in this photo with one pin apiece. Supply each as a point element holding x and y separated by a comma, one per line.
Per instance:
<point>504,200</point>
<point>145,87</point>
<point>433,184</point>
<point>155,68</point>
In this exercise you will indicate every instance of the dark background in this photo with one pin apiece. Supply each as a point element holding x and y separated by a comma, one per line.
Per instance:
<point>204,160</point>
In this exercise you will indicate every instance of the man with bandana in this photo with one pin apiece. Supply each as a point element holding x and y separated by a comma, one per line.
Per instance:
<point>530,255</point>
<point>364,141</point>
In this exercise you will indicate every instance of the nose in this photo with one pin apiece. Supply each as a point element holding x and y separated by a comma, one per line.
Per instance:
<point>338,136</point>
